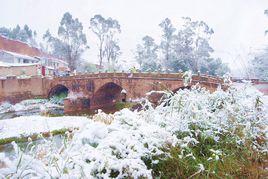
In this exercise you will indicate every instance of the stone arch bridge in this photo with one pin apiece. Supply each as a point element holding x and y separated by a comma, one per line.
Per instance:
<point>93,91</point>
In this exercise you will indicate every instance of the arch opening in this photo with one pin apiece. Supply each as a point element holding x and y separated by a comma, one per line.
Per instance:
<point>108,95</point>
<point>59,91</point>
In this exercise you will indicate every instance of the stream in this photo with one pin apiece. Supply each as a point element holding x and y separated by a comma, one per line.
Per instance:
<point>31,107</point>
<point>37,107</point>
<point>28,108</point>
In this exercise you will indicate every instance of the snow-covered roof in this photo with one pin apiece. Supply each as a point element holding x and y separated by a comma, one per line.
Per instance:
<point>124,91</point>
<point>18,41</point>
<point>57,60</point>
<point>18,47</point>
<point>3,64</point>
<point>22,48</point>
<point>50,68</point>
<point>20,55</point>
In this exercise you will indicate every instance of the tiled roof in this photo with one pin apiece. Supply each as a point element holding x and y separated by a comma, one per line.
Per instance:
<point>19,47</point>
<point>19,55</point>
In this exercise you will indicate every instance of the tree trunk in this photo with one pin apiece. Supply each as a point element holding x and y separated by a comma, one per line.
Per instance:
<point>100,53</point>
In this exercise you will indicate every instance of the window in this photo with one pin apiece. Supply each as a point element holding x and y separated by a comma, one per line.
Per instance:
<point>25,61</point>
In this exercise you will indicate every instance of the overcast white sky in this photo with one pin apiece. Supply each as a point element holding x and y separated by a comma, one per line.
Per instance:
<point>239,25</point>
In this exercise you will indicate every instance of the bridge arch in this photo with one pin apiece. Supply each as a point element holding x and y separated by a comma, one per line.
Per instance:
<point>58,90</point>
<point>107,95</point>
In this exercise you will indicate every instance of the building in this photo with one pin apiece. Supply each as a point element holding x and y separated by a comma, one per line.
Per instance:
<point>22,57</point>
<point>11,57</point>
<point>52,62</point>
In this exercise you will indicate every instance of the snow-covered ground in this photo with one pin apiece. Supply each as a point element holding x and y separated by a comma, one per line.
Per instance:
<point>29,125</point>
<point>116,144</point>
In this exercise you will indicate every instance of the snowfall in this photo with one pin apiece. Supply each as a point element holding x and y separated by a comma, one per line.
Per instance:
<point>116,143</point>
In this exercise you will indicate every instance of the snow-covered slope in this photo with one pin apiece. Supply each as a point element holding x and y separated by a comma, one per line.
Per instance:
<point>28,125</point>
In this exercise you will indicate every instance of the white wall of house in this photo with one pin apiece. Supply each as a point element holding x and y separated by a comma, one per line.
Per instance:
<point>13,64</point>
<point>7,58</point>
<point>53,63</point>
<point>10,57</point>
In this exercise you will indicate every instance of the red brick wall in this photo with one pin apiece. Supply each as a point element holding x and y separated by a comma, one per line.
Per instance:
<point>15,90</point>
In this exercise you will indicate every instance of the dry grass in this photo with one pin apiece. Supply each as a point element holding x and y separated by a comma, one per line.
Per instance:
<point>103,117</point>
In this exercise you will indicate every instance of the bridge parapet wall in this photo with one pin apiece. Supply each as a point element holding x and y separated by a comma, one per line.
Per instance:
<point>136,84</point>
<point>15,90</point>
<point>178,76</point>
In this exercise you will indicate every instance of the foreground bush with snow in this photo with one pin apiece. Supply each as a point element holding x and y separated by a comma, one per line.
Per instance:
<point>193,133</point>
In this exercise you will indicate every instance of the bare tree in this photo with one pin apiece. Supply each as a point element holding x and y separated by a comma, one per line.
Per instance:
<point>106,30</point>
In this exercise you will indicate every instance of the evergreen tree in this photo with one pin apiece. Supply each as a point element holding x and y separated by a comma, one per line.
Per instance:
<point>182,49</point>
<point>71,41</point>
<point>166,42</point>
<point>146,55</point>
<point>24,34</point>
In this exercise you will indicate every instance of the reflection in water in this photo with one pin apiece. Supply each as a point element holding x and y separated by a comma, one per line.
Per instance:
<point>56,111</point>
<point>31,107</point>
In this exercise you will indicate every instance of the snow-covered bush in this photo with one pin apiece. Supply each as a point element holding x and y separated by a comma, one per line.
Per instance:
<point>192,133</point>
<point>103,117</point>
<point>187,77</point>
<point>5,107</point>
